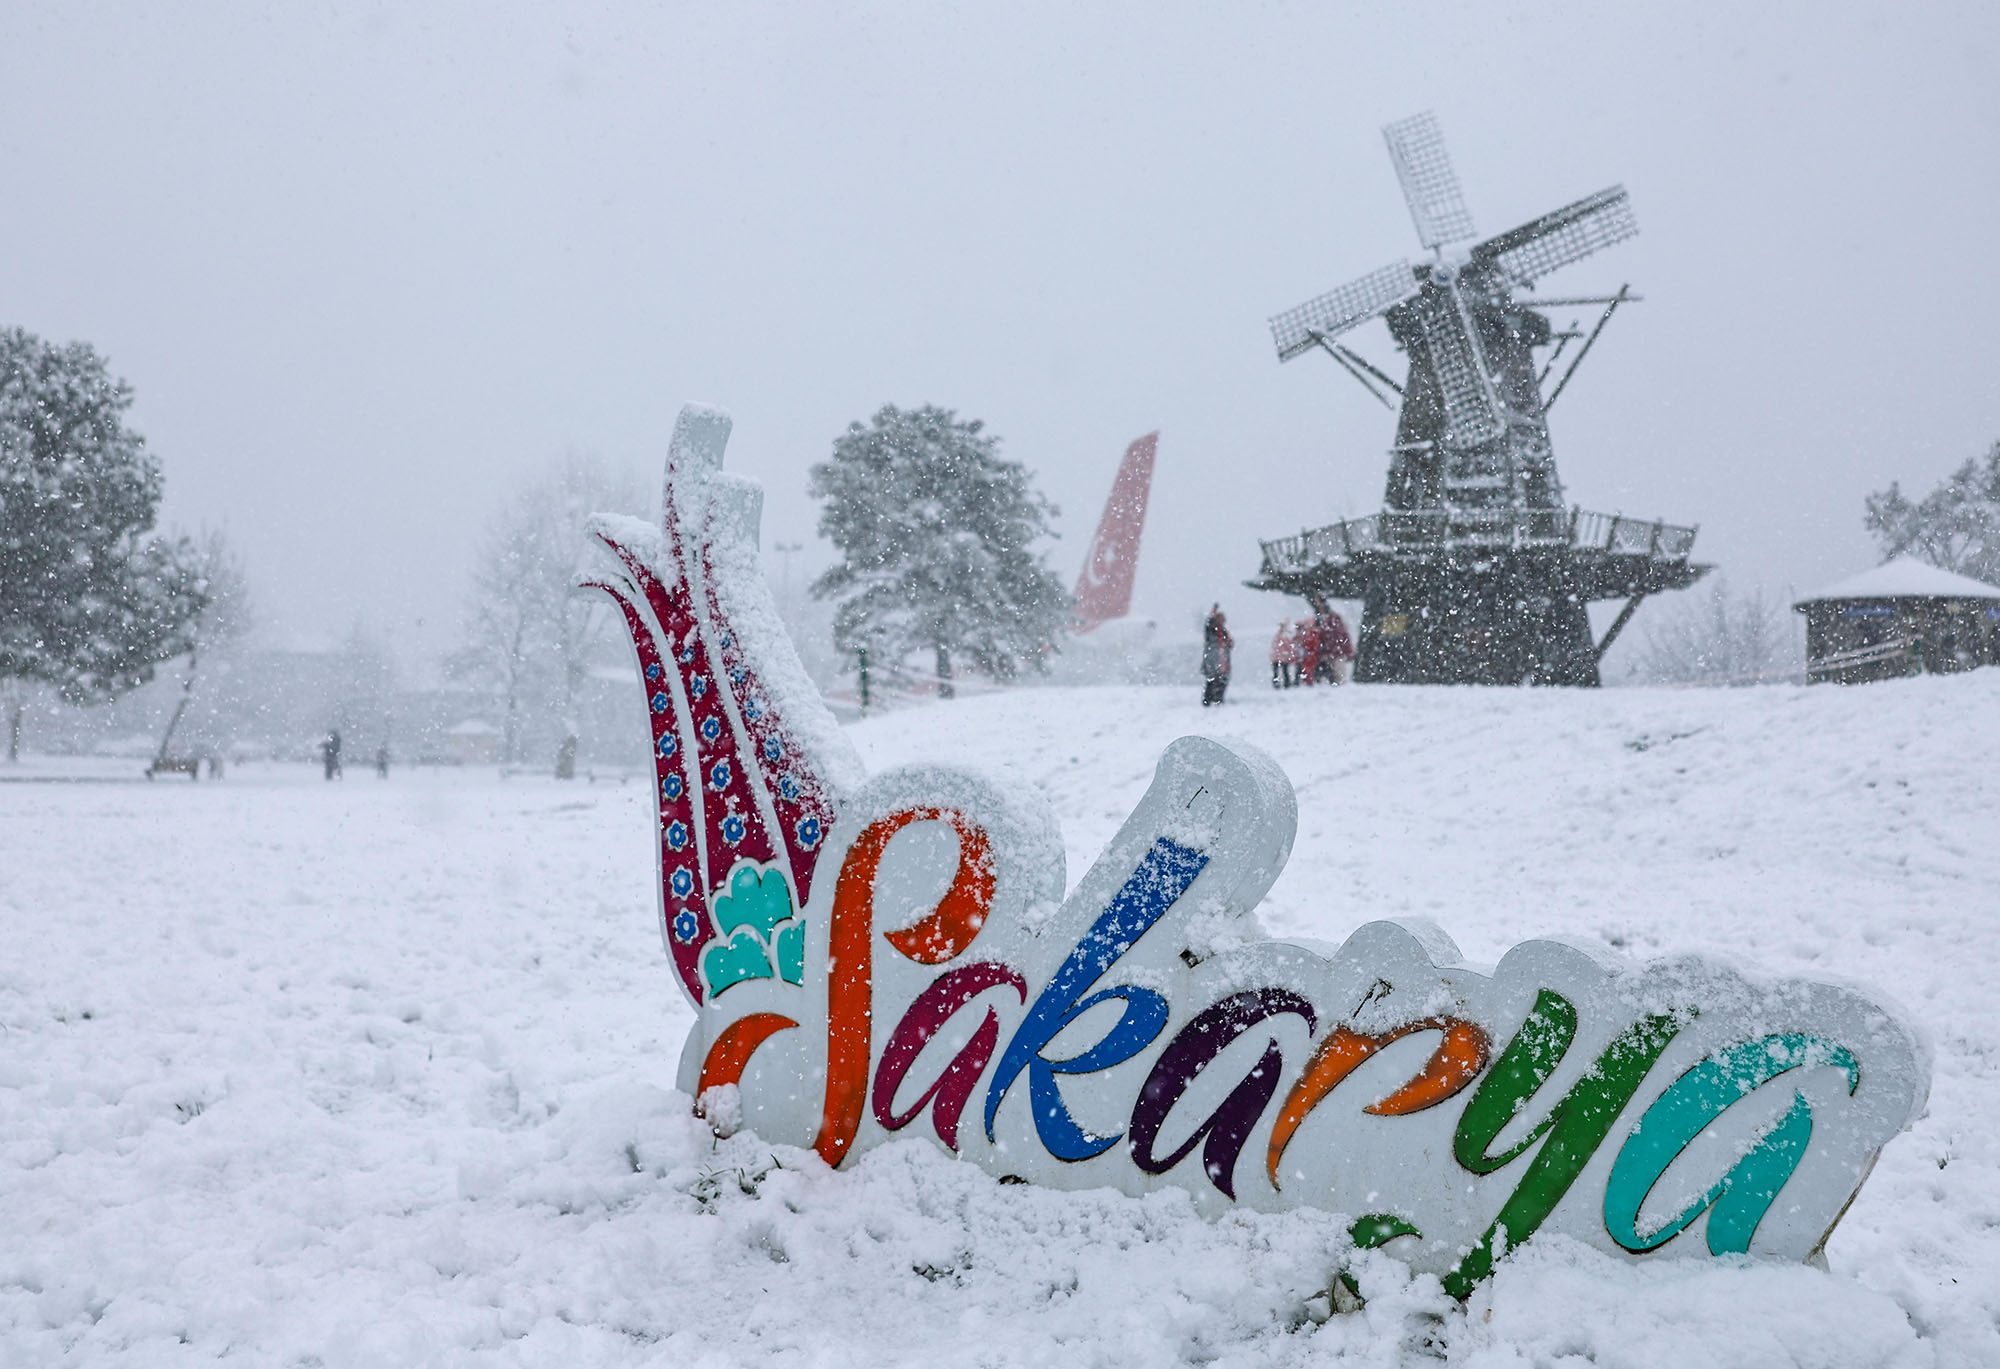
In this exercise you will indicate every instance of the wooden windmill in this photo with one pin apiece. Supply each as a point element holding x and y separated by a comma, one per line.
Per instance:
<point>1477,571</point>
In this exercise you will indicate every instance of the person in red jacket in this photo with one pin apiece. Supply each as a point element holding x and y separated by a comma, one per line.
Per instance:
<point>1285,656</point>
<point>1336,647</point>
<point>1308,648</point>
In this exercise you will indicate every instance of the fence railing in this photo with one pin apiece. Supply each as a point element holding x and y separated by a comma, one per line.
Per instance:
<point>1895,649</point>
<point>1423,529</point>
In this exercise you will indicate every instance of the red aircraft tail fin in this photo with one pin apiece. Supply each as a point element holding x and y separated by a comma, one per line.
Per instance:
<point>1104,590</point>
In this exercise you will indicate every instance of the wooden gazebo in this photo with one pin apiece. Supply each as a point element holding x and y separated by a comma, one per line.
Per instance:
<point>1906,617</point>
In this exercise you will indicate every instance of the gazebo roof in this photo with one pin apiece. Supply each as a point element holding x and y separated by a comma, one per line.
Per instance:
<point>1906,578</point>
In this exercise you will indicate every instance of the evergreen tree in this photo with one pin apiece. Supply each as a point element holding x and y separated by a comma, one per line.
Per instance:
<point>1956,526</point>
<point>936,534</point>
<point>89,603</point>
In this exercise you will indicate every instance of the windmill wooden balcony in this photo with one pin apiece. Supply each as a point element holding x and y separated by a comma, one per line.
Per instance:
<point>1569,555</point>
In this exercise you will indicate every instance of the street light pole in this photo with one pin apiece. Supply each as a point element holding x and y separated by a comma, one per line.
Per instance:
<point>785,549</point>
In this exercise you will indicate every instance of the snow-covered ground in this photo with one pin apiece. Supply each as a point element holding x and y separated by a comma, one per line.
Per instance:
<point>381,1073</point>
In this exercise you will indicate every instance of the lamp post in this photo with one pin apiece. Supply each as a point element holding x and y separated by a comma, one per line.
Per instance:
<point>785,549</point>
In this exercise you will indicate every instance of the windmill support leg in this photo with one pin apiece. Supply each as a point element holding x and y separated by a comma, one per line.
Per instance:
<point>1618,623</point>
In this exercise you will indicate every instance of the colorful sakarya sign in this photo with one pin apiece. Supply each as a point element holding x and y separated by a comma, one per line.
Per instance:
<point>894,957</point>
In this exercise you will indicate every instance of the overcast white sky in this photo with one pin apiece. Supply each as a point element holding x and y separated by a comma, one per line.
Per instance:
<point>368,264</point>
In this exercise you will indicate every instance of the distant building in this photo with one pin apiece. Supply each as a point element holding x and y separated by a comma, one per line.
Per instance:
<point>1903,618</point>
<point>473,742</point>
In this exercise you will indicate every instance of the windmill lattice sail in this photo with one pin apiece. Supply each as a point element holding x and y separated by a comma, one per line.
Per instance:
<point>1430,186</point>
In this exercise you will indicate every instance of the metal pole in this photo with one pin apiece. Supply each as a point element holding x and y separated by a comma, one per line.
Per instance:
<point>1349,367</point>
<point>785,549</point>
<point>1584,351</point>
<point>1367,365</point>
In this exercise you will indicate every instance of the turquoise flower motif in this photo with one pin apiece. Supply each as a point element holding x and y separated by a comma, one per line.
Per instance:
<point>761,938</point>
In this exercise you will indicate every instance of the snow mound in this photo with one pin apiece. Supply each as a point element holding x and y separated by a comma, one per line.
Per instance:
<point>362,1074</point>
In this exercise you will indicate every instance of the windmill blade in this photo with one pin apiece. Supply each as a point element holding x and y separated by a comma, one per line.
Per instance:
<point>1416,146</point>
<point>1555,240</point>
<point>1471,410</point>
<point>1300,329</point>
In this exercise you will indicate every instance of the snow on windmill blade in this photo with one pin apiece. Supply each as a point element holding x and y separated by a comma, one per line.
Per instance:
<point>1430,186</point>
<point>1561,238</point>
<point>750,766</point>
<point>1301,328</point>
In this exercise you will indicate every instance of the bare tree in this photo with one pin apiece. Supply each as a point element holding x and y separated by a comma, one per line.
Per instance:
<point>1718,638</point>
<point>530,635</point>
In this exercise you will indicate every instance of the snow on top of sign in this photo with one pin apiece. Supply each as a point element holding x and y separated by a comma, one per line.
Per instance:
<point>737,506</point>
<point>1904,578</point>
<point>642,538</point>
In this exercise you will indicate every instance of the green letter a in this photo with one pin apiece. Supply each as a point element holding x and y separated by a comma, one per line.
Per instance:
<point>1575,1126</point>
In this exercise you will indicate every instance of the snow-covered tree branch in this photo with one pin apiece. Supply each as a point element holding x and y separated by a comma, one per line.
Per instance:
<point>1955,527</point>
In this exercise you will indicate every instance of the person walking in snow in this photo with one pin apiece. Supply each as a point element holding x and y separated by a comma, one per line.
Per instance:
<point>1284,656</point>
<point>329,752</point>
<point>1336,647</point>
<point>1215,645</point>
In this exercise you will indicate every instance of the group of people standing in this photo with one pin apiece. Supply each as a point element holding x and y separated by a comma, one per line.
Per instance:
<point>1307,652</point>
<point>1311,650</point>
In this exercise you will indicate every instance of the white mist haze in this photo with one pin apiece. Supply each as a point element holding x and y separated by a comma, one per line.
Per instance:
<point>367,268</point>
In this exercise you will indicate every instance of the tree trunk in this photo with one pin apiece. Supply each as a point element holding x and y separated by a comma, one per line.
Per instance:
<point>944,671</point>
<point>566,748</point>
<point>14,731</point>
